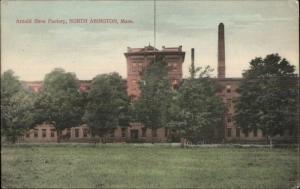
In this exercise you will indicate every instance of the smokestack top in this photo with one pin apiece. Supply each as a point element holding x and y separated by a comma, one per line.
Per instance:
<point>221,51</point>
<point>192,63</point>
<point>193,55</point>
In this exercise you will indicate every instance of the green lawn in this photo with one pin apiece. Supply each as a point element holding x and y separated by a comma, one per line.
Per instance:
<point>130,166</point>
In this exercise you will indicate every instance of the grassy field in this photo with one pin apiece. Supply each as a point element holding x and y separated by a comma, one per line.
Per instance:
<point>129,166</point>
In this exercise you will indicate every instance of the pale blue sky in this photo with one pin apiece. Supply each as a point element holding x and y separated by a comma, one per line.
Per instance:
<point>252,28</point>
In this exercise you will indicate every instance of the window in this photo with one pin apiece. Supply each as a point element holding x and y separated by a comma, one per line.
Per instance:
<point>112,133</point>
<point>144,132</point>
<point>246,133</point>
<point>228,132</point>
<point>123,132</point>
<point>76,133</point>
<point>69,132</point>
<point>255,132</point>
<point>134,67</point>
<point>175,87</point>
<point>229,101</point>
<point>140,67</point>
<point>166,132</point>
<point>44,134</point>
<point>174,67</point>
<point>228,88</point>
<point>281,133</point>
<point>264,133</point>
<point>238,132</point>
<point>52,132</point>
<point>154,132</point>
<point>291,132</point>
<point>36,133</point>
<point>229,118</point>
<point>85,132</point>
<point>27,135</point>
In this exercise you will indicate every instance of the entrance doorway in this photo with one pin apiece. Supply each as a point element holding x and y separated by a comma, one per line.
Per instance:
<point>134,134</point>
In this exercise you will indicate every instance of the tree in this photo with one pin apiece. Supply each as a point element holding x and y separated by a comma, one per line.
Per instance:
<point>60,103</point>
<point>108,104</point>
<point>268,96</point>
<point>199,111</point>
<point>16,107</point>
<point>152,107</point>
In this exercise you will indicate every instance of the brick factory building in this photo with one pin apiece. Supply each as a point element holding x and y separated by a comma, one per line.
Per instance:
<point>137,59</point>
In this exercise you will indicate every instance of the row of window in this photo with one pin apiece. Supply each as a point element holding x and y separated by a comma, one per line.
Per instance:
<point>153,132</point>
<point>85,133</point>
<point>238,132</point>
<point>246,133</point>
<point>137,67</point>
<point>52,133</point>
<point>44,133</point>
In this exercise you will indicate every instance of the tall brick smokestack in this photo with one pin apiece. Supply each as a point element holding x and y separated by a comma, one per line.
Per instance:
<point>192,63</point>
<point>221,51</point>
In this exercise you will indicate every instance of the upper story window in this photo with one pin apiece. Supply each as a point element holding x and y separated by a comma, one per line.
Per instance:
<point>228,102</point>
<point>228,88</point>
<point>134,67</point>
<point>140,67</point>
<point>175,67</point>
<point>229,118</point>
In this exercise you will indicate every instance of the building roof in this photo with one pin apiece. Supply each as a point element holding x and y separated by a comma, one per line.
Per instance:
<point>151,50</point>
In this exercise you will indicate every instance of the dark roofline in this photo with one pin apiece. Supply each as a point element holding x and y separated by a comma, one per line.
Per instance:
<point>153,53</point>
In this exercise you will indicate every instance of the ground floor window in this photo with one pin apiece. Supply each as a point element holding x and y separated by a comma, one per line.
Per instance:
<point>36,133</point>
<point>228,132</point>
<point>52,132</point>
<point>166,132</point>
<point>255,132</point>
<point>246,133</point>
<point>85,132</point>
<point>27,135</point>
<point>281,133</point>
<point>134,134</point>
<point>112,133</point>
<point>154,132</point>
<point>291,132</point>
<point>44,133</point>
<point>76,133</point>
<point>123,132</point>
<point>238,132</point>
<point>68,132</point>
<point>144,129</point>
